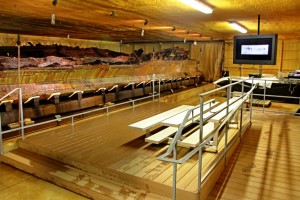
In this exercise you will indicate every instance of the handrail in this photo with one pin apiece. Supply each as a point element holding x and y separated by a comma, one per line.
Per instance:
<point>172,148</point>
<point>21,119</point>
<point>22,127</point>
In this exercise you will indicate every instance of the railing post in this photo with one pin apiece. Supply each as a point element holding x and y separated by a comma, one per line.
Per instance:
<point>153,87</point>
<point>174,173</point>
<point>265,88</point>
<point>21,113</point>
<point>251,101</point>
<point>241,117</point>
<point>158,89</point>
<point>72,120</point>
<point>1,146</point>
<point>200,141</point>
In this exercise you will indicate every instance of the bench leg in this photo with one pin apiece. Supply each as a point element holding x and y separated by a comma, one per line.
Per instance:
<point>147,132</point>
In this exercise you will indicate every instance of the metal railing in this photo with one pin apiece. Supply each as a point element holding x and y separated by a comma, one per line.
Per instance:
<point>203,142</point>
<point>265,95</point>
<point>21,128</point>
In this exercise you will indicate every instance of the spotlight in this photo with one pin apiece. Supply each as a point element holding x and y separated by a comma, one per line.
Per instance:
<point>184,40</point>
<point>195,42</point>
<point>113,14</point>
<point>142,33</point>
<point>54,2</point>
<point>174,28</point>
<point>52,16</point>
<point>146,22</point>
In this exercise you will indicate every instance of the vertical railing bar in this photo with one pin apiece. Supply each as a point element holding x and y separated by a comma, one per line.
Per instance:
<point>265,88</point>
<point>21,113</point>
<point>174,173</point>
<point>200,141</point>
<point>1,147</point>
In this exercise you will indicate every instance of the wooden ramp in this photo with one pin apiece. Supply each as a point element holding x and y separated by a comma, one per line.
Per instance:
<point>103,158</point>
<point>266,164</point>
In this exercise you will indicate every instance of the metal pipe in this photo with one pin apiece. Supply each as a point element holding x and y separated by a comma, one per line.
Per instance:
<point>174,174</point>
<point>21,113</point>
<point>1,150</point>
<point>200,141</point>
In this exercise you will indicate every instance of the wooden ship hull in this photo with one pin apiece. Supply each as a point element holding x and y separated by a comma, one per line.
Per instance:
<point>56,85</point>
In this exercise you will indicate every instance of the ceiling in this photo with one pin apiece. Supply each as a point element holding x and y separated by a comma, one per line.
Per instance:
<point>123,20</point>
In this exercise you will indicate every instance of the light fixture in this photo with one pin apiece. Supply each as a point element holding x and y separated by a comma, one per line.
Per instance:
<point>238,27</point>
<point>113,14</point>
<point>142,33</point>
<point>174,28</point>
<point>184,40</point>
<point>198,5</point>
<point>195,43</point>
<point>52,16</point>
<point>54,2</point>
<point>145,22</point>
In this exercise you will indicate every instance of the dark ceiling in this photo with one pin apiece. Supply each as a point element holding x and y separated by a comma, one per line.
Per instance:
<point>167,20</point>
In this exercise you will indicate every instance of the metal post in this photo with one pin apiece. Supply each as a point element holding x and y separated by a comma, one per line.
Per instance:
<point>241,118</point>
<point>72,121</point>
<point>174,173</point>
<point>251,100</point>
<point>153,87</point>
<point>226,141</point>
<point>158,89</point>
<point>200,140</point>
<point>1,150</point>
<point>265,88</point>
<point>21,113</point>
<point>200,173</point>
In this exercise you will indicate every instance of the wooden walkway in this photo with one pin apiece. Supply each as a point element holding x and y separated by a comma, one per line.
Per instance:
<point>266,164</point>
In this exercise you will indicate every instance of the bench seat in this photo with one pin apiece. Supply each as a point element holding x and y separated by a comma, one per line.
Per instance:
<point>177,119</point>
<point>157,119</point>
<point>193,139</point>
<point>161,135</point>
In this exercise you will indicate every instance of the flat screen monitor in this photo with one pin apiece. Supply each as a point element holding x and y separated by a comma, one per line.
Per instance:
<point>255,49</point>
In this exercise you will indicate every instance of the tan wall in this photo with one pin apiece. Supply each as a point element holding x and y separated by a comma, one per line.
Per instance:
<point>11,40</point>
<point>288,60</point>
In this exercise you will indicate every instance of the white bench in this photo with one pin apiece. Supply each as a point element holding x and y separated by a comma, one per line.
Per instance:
<point>221,115</point>
<point>174,122</point>
<point>177,119</point>
<point>150,122</point>
<point>161,135</point>
<point>193,139</point>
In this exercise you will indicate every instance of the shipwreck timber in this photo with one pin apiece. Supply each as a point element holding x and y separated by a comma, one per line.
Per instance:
<point>75,80</point>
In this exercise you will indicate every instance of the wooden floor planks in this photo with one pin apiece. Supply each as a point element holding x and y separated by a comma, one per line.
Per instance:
<point>266,165</point>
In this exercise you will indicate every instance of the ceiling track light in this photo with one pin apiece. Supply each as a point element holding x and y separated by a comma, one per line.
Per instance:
<point>146,22</point>
<point>198,5</point>
<point>174,28</point>
<point>52,17</point>
<point>142,33</point>
<point>238,27</point>
<point>113,14</point>
<point>54,2</point>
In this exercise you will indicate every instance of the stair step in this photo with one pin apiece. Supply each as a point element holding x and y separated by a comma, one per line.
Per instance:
<point>87,184</point>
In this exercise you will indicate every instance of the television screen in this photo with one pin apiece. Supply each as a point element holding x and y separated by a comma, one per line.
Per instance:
<point>255,49</point>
